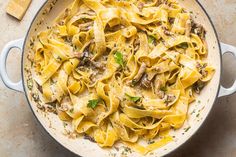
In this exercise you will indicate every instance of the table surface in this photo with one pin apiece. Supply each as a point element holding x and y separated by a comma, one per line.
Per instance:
<point>22,136</point>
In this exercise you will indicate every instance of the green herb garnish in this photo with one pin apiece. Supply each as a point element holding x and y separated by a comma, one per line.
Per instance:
<point>119,58</point>
<point>151,142</point>
<point>133,98</point>
<point>71,110</point>
<point>183,45</point>
<point>65,124</point>
<point>151,39</point>
<point>30,84</point>
<point>93,103</point>
<point>187,129</point>
<point>134,82</point>
<point>164,89</point>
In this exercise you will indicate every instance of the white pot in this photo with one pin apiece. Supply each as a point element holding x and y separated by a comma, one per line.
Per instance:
<point>85,148</point>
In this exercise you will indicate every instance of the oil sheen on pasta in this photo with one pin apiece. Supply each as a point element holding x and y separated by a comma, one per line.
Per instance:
<point>122,70</point>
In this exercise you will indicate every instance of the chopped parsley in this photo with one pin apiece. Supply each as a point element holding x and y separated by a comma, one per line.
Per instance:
<point>126,151</point>
<point>164,89</point>
<point>133,98</point>
<point>119,58</point>
<point>35,97</point>
<point>93,103</point>
<point>64,124</point>
<point>30,84</point>
<point>150,142</point>
<point>134,82</point>
<point>183,45</point>
<point>71,110</point>
<point>151,39</point>
<point>187,129</point>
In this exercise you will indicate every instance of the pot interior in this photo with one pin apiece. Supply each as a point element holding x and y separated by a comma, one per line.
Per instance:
<point>198,110</point>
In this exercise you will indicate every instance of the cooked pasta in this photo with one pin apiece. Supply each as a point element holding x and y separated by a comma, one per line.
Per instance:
<point>122,70</point>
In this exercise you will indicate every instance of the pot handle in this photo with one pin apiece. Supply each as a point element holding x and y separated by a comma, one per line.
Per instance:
<point>227,91</point>
<point>3,58</point>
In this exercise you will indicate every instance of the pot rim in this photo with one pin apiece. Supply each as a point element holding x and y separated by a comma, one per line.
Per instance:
<point>171,150</point>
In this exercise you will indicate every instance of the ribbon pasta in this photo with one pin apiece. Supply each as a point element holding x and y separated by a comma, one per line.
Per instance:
<point>122,70</point>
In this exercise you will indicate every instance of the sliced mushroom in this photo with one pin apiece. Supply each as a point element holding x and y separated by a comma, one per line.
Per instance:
<point>145,82</point>
<point>86,60</point>
<point>84,57</point>
<point>157,88</point>
<point>136,45</point>
<point>98,65</point>
<point>166,31</point>
<point>198,29</point>
<point>171,20</point>
<point>140,73</point>
<point>168,98</point>
<point>198,86</point>
<point>65,104</point>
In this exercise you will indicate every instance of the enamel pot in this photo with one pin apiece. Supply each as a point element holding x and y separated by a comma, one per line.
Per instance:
<point>85,148</point>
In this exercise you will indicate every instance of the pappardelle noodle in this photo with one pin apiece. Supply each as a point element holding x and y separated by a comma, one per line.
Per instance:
<point>122,70</point>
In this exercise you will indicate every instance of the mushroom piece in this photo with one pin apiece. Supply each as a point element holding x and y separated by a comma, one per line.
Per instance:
<point>98,65</point>
<point>166,31</point>
<point>136,45</point>
<point>145,82</point>
<point>140,73</point>
<point>86,60</point>
<point>198,86</point>
<point>65,104</point>
<point>198,29</point>
<point>157,88</point>
<point>168,98</point>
